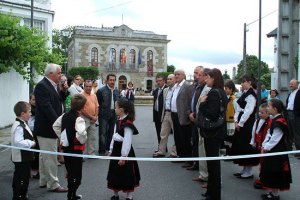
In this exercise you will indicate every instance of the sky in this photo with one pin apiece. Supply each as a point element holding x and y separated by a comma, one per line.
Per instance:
<point>202,32</point>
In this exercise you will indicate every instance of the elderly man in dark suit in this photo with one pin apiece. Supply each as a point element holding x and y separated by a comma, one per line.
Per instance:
<point>49,106</point>
<point>180,110</point>
<point>107,96</point>
<point>158,104</point>
<point>293,108</point>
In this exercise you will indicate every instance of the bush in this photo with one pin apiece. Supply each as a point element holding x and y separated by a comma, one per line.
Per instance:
<point>87,73</point>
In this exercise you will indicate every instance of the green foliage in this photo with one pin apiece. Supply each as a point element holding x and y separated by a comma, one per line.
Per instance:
<point>87,73</point>
<point>226,76</point>
<point>164,74</point>
<point>60,42</point>
<point>252,69</point>
<point>296,66</point>
<point>171,68</point>
<point>21,45</point>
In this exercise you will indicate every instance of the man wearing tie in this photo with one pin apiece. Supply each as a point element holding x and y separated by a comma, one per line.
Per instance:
<point>293,108</point>
<point>158,105</point>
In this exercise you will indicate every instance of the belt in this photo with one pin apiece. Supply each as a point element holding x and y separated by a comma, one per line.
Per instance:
<point>168,110</point>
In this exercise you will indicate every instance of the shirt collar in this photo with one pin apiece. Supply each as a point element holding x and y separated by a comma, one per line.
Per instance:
<point>52,82</point>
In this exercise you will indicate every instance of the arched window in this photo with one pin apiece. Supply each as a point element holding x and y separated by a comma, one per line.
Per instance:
<point>150,63</point>
<point>112,59</point>
<point>132,58</point>
<point>122,58</point>
<point>94,57</point>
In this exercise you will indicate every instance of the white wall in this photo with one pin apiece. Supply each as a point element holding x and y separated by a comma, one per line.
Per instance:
<point>13,89</point>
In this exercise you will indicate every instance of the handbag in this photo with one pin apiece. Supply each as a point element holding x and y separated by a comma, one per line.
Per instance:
<point>209,127</point>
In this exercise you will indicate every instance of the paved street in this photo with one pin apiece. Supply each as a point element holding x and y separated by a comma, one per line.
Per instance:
<point>160,180</point>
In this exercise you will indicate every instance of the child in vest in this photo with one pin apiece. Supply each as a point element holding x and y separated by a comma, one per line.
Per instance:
<point>259,132</point>
<point>21,136</point>
<point>275,172</point>
<point>230,90</point>
<point>70,128</point>
<point>123,175</point>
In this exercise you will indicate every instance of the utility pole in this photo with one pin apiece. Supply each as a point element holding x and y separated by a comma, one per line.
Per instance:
<point>245,49</point>
<point>259,61</point>
<point>30,64</point>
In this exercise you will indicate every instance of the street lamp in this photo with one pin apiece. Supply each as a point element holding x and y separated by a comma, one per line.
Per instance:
<point>65,34</point>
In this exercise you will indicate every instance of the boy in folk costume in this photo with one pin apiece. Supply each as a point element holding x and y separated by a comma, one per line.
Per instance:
<point>21,136</point>
<point>71,130</point>
<point>259,132</point>
<point>275,171</point>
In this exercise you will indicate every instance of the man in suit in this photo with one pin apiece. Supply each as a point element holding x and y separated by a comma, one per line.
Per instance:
<point>180,110</point>
<point>49,106</point>
<point>192,116</point>
<point>158,105</point>
<point>293,108</point>
<point>107,96</point>
<point>167,124</point>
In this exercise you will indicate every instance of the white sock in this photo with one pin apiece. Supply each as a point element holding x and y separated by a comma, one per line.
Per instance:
<point>129,195</point>
<point>116,194</point>
<point>243,170</point>
<point>247,171</point>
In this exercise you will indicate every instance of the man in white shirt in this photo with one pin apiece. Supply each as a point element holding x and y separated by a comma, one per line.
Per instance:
<point>293,108</point>
<point>180,109</point>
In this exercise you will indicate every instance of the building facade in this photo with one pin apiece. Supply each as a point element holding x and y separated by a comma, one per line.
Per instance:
<point>131,55</point>
<point>15,88</point>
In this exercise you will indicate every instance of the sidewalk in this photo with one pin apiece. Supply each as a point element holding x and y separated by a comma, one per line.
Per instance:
<point>5,135</point>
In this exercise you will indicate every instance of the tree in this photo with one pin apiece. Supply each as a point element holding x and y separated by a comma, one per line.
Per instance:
<point>87,73</point>
<point>252,69</point>
<point>226,76</point>
<point>21,45</point>
<point>171,68</point>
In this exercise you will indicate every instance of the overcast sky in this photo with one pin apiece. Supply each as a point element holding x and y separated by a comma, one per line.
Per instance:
<point>202,32</point>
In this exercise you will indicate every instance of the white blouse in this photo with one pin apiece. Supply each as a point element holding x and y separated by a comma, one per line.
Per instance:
<point>126,140</point>
<point>250,105</point>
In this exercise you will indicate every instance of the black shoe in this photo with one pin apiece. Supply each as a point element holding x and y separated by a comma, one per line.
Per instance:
<point>270,196</point>
<point>128,199</point>
<point>37,176</point>
<point>237,174</point>
<point>246,177</point>
<point>158,155</point>
<point>114,198</point>
<point>193,168</point>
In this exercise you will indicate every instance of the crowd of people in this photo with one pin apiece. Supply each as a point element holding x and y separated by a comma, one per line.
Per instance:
<point>68,113</point>
<point>178,107</point>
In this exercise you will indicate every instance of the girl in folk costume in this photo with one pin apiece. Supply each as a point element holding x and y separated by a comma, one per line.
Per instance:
<point>259,132</point>
<point>230,90</point>
<point>70,128</point>
<point>123,175</point>
<point>275,172</point>
<point>244,119</point>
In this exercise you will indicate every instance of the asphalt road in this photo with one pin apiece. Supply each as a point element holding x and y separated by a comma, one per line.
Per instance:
<point>160,180</point>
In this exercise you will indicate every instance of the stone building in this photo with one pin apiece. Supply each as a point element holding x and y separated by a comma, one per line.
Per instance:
<point>132,55</point>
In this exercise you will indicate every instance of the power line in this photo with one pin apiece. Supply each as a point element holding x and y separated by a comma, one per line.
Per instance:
<point>113,6</point>
<point>263,17</point>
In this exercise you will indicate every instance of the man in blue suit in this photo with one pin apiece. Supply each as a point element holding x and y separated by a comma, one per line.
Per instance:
<point>49,106</point>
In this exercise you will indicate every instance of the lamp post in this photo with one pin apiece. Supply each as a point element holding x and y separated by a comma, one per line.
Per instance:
<point>65,34</point>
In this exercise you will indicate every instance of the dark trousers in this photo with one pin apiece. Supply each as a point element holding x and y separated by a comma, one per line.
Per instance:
<point>195,141</point>
<point>294,131</point>
<point>21,180</point>
<point>74,170</point>
<point>106,130</point>
<point>182,137</point>
<point>212,149</point>
<point>157,122</point>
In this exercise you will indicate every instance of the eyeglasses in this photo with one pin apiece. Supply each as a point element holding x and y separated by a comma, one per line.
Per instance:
<point>78,79</point>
